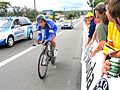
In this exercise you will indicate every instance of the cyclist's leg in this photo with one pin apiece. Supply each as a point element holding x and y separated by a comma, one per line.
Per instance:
<point>52,41</point>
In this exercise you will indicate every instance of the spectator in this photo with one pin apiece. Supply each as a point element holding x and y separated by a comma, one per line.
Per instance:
<point>97,24</point>
<point>102,28</point>
<point>113,34</point>
<point>87,22</point>
<point>91,19</point>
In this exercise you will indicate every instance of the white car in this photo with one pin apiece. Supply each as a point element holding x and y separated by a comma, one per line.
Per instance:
<point>13,29</point>
<point>67,25</point>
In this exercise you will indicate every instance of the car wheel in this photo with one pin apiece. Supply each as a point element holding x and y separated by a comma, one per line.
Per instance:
<point>71,27</point>
<point>30,36</point>
<point>10,41</point>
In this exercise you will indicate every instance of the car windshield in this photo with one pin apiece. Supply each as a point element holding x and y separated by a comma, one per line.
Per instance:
<point>5,23</point>
<point>67,23</point>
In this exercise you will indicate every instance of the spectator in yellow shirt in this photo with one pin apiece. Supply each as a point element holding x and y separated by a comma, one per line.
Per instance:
<point>112,48</point>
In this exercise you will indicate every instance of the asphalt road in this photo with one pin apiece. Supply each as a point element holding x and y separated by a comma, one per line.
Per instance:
<point>20,72</point>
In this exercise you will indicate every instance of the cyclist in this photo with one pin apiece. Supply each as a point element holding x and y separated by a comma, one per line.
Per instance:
<point>50,29</point>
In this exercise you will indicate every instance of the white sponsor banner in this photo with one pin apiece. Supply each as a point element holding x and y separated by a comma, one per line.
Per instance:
<point>91,70</point>
<point>91,74</point>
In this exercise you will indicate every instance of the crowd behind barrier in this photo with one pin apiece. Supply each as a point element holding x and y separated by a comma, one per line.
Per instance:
<point>92,69</point>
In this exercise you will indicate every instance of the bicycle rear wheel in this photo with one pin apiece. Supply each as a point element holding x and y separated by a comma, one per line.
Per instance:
<point>42,69</point>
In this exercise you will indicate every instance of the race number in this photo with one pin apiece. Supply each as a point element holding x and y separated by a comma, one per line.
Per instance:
<point>102,85</point>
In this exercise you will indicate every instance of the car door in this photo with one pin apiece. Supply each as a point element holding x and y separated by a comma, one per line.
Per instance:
<point>16,28</point>
<point>24,26</point>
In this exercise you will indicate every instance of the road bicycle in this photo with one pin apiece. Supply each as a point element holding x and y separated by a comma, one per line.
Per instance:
<point>47,56</point>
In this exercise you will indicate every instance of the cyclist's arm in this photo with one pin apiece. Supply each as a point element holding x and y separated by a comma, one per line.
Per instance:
<point>39,33</point>
<point>51,32</point>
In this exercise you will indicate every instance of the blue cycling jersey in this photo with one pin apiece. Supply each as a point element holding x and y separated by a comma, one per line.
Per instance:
<point>50,28</point>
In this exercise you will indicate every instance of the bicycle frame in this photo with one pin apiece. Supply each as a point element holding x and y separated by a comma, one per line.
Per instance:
<point>48,48</point>
<point>48,51</point>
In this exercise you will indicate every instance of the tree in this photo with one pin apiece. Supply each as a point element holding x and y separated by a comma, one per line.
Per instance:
<point>72,14</point>
<point>31,14</point>
<point>24,11</point>
<point>16,11</point>
<point>53,15</point>
<point>93,3</point>
<point>4,8</point>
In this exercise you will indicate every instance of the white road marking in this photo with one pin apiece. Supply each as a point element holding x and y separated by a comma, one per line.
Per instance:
<point>60,32</point>
<point>21,53</point>
<point>15,56</point>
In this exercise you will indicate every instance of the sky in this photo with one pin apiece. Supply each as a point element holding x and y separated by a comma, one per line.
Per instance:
<point>52,4</point>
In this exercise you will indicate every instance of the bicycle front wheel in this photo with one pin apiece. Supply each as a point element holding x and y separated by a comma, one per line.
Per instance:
<point>42,69</point>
